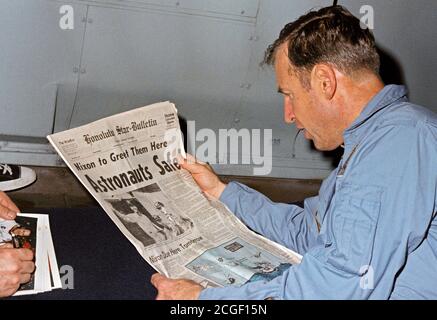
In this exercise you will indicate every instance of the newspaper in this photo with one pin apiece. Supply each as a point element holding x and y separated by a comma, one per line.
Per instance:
<point>128,163</point>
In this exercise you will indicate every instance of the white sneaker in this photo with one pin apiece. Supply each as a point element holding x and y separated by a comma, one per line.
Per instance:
<point>14,177</point>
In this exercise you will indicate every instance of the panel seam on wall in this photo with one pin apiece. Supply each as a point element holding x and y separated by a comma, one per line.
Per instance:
<point>80,67</point>
<point>179,11</point>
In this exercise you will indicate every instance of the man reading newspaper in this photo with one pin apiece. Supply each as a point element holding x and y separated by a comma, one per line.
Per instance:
<point>372,231</point>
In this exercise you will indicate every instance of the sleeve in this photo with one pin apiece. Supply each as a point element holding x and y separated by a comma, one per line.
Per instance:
<point>379,215</point>
<point>5,228</point>
<point>290,225</point>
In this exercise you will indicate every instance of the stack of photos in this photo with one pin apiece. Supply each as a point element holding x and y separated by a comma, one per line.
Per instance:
<point>32,231</point>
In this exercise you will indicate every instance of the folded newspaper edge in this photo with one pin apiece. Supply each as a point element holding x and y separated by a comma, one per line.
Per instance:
<point>128,162</point>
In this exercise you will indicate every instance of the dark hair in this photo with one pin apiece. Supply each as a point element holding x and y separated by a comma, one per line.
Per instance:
<point>159,205</point>
<point>331,35</point>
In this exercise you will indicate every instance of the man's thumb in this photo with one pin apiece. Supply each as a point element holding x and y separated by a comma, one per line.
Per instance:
<point>6,213</point>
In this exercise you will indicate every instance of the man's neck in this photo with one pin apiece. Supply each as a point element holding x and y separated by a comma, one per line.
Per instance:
<point>358,93</point>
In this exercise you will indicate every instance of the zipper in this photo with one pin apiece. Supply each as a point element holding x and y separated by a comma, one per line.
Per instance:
<point>344,165</point>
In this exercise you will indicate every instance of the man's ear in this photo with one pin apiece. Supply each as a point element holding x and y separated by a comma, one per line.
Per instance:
<point>324,80</point>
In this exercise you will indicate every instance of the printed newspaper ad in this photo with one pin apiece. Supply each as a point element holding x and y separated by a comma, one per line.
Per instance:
<point>128,163</point>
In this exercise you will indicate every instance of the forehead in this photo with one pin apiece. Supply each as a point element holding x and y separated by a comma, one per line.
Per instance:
<point>285,75</point>
<point>282,62</point>
<point>281,57</point>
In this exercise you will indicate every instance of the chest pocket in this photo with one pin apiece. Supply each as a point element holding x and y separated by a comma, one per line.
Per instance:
<point>353,227</point>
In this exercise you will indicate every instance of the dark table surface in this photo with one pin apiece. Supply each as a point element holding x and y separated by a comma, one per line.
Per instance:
<point>105,264</point>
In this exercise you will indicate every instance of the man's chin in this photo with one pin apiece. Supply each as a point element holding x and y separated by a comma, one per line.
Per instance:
<point>322,147</point>
<point>319,145</point>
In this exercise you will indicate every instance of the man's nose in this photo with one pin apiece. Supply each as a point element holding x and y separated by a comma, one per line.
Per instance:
<point>289,116</point>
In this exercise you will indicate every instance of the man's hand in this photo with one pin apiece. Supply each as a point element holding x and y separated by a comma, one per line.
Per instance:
<point>204,176</point>
<point>16,267</point>
<point>8,210</point>
<point>175,289</point>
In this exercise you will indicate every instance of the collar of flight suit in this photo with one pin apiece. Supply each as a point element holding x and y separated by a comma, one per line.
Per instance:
<point>383,99</point>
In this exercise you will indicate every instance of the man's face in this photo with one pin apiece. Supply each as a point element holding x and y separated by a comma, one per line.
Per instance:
<point>135,209</point>
<point>306,107</point>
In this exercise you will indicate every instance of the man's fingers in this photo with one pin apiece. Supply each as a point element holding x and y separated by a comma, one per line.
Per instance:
<point>161,283</point>
<point>14,281</point>
<point>175,289</point>
<point>7,202</point>
<point>195,167</point>
<point>8,209</point>
<point>25,254</point>
<point>6,246</point>
<point>6,213</point>
<point>192,159</point>
<point>192,168</point>
<point>18,261</point>
<point>189,160</point>
<point>13,207</point>
<point>25,278</point>
<point>160,296</point>
<point>8,291</point>
<point>28,267</point>
<point>157,279</point>
<point>180,159</point>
